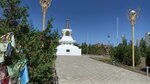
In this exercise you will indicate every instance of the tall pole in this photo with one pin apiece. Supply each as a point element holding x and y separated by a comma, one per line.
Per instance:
<point>132,17</point>
<point>117,27</point>
<point>43,27</point>
<point>117,30</point>
<point>133,58</point>
<point>108,39</point>
<point>44,4</point>
<point>87,47</point>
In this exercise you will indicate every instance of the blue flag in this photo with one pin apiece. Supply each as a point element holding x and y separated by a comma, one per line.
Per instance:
<point>24,76</point>
<point>9,50</point>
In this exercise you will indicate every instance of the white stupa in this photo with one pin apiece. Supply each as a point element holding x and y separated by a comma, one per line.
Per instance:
<point>67,46</point>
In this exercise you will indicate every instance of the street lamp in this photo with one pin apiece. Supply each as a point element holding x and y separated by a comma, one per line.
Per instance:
<point>132,15</point>
<point>44,4</point>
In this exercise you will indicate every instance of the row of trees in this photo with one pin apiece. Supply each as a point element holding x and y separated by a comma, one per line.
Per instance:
<point>123,52</point>
<point>148,57</point>
<point>95,49</point>
<point>38,47</point>
<point>145,51</point>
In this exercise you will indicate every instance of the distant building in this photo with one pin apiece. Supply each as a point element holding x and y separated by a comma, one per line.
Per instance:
<point>97,45</point>
<point>103,46</point>
<point>106,46</point>
<point>147,38</point>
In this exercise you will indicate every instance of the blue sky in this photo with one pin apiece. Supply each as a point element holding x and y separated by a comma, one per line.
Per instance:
<point>92,20</point>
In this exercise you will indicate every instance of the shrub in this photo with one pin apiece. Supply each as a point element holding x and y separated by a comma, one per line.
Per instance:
<point>123,54</point>
<point>148,57</point>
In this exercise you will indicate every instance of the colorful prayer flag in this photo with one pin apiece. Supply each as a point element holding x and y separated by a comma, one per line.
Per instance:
<point>2,72</point>
<point>3,46</point>
<point>9,50</point>
<point>5,80</point>
<point>1,57</point>
<point>13,70</point>
<point>24,75</point>
<point>13,41</point>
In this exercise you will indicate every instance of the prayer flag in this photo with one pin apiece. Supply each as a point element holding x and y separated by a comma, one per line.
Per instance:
<point>24,75</point>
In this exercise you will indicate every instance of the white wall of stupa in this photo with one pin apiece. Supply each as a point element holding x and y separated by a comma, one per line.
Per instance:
<point>67,46</point>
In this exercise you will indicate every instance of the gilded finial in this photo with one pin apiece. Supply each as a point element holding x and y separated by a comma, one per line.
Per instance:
<point>67,24</point>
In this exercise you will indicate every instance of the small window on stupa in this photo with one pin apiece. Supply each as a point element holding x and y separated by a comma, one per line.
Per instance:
<point>67,33</point>
<point>67,50</point>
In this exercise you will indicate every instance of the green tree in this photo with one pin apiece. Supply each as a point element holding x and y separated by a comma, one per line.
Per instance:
<point>92,49</point>
<point>147,60</point>
<point>123,53</point>
<point>127,59</point>
<point>120,52</point>
<point>143,47</point>
<point>101,50</point>
<point>112,53</point>
<point>84,48</point>
<point>104,50</point>
<point>137,56</point>
<point>14,20</point>
<point>39,47</point>
<point>14,15</point>
<point>124,41</point>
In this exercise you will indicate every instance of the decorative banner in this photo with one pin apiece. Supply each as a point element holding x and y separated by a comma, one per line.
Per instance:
<point>3,46</point>
<point>9,50</point>
<point>8,38</point>
<point>2,72</point>
<point>24,75</point>
<point>20,69</point>
<point>13,70</point>
<point>13,44</point>
<point>1,57</point>
<point>5,80</point>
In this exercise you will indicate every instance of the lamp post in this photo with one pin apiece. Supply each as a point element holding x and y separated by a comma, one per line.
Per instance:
<point>132,14</point>
<point>44,4</point>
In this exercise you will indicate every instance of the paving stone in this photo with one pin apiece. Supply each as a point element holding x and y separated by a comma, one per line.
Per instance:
<point>83,70</point>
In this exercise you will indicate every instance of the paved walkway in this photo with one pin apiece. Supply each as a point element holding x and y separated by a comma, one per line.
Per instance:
<point>83,70</point>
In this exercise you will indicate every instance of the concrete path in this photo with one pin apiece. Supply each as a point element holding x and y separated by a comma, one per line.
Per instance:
<point>83,70</point>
